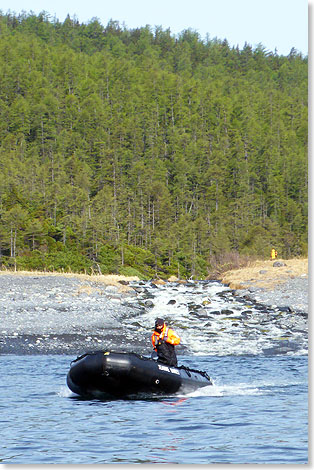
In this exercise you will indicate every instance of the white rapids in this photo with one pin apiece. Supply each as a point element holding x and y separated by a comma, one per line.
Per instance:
<point>213,324</point>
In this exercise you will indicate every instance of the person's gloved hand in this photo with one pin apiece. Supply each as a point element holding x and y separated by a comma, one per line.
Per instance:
<point>161,341</point>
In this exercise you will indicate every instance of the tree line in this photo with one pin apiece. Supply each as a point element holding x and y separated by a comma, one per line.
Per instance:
<point>135,151</point>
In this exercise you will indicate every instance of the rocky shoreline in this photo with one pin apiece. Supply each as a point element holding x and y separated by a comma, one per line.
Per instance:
<point>280,283</point>
<point>43,314</point>
<point>289,291</point>
<point>292,294</point>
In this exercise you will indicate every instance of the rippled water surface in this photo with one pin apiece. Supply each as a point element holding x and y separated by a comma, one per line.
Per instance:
<point>256,412</point>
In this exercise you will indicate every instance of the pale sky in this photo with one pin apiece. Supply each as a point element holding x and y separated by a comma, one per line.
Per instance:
<point>280,24</point>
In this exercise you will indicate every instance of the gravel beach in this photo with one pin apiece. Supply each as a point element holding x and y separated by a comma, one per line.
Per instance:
<point>292,293</point>
<point>45,313</point>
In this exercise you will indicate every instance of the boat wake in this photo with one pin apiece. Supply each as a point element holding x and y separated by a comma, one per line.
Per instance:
<point>226,390</point>
<point>65,392</point>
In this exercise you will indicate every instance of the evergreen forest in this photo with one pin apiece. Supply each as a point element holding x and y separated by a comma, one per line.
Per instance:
<point>140,152</point>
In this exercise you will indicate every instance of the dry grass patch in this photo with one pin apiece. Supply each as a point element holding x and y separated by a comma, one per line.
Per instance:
<point>264,275</point>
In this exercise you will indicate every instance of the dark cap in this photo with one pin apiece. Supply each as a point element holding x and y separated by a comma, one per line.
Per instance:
<point>159,322</point>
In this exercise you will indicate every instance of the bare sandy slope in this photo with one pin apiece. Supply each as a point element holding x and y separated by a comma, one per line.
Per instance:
<point>263,274</point>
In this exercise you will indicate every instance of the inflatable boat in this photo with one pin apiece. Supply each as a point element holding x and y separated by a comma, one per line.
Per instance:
<point>107,374</point>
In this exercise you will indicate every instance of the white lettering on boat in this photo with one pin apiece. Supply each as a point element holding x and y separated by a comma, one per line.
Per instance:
<point>167,369</point>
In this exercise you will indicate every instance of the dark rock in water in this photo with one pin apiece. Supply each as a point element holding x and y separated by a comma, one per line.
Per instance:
<point>302,314</point>
<point>226,311</point>
<point>245,315</point>
<point>139,290</point>
<point>171,302</point>
<point>148,295</point>
<point>223,295</point>
<point>199,314</point>
<point>149,303</point>
<point>260,307</point>
<point>192,306</point>
<point>286,309</point>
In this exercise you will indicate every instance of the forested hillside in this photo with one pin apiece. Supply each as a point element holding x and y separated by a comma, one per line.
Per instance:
<point>137,150</point>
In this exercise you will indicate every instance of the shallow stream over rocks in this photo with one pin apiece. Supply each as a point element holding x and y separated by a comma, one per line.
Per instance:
<point>67,315</point>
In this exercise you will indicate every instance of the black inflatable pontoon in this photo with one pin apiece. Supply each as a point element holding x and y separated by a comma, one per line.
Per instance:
<point>104,374</point>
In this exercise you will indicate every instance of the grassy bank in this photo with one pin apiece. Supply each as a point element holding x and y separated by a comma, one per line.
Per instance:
<point>264,274</point>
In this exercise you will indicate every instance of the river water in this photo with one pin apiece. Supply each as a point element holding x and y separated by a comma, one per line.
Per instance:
<point>256,411</point>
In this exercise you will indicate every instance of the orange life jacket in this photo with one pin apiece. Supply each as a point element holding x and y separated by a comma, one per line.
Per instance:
<point>167,334</point>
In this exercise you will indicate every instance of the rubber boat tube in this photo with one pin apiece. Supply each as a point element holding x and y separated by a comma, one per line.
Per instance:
<point>103,374</point>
